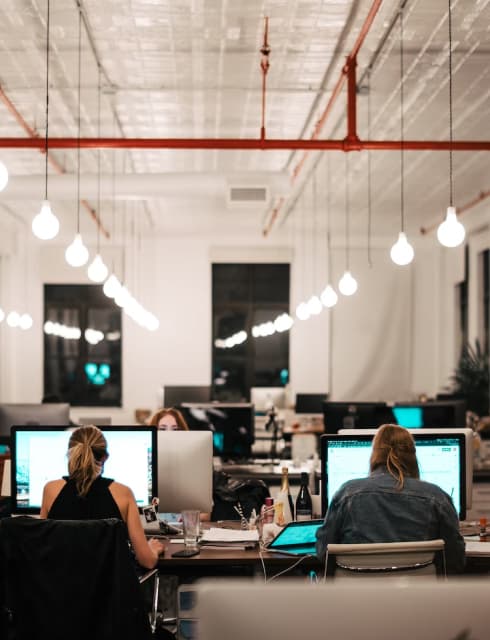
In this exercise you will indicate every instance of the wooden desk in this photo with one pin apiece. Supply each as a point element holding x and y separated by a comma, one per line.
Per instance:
<point>231,561</point>
<point>213,561</point>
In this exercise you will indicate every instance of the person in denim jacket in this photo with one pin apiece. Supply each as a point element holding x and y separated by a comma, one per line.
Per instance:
<point>392,504</point>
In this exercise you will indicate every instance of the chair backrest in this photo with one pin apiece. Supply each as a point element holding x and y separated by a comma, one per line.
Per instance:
<point>386,558</point>
<point>70,578</point>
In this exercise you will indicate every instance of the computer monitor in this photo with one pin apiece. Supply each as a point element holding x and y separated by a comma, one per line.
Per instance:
<point>39,455</point>
<point>50,414</point>
<point>469,436</point>
<point>185,471</point>
<point>98,421</point>
<point>355,415</point>
<point>176,395</point>
<point>441,457</point>
<point>232,425</point>
<point>310,402</point>
<point>264,398</point>
<point>447,413</point>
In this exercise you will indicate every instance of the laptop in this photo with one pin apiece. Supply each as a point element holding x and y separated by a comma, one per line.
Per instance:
<point>297,538</point>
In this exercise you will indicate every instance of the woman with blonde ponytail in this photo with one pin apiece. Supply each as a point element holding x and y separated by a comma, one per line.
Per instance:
<point>85,494</point>
<point>392,504</point>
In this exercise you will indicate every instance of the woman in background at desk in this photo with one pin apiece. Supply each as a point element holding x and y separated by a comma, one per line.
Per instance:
<point>169,420</point>
<point>392,504</point>
<point>84,494</point>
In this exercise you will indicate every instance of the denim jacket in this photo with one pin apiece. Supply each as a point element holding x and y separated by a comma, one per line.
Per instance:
<point>374,509</point>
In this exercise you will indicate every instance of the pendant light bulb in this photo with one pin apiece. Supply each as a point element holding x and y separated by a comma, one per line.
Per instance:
<point>111,286</point>
<point>347,284</point>
<point>314,305</point>
<point>122,297</point>
<point>451,232</point>
<point>45,224</point>
<point>402,251</point>
<point>4,176</point>
<point>2,314</point>
<point>97,270</point>
<point>25,321</point>
<point>329,296</point>
<point>76,253</point>
<point>302,311</point>
<point>13,319</point>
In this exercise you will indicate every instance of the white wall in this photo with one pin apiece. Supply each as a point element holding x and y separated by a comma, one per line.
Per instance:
<point>394,339</point>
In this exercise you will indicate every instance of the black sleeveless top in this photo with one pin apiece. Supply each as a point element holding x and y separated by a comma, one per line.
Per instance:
<point>97,504</point>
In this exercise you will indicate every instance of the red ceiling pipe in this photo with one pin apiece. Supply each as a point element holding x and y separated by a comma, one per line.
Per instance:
<point>245,144</point>
<point>34,135</point>
<point>273,216</point>
<point>336,91</point>
<point>350,70</point>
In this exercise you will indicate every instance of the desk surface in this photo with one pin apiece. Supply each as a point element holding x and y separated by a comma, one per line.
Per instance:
<point>210,557</point>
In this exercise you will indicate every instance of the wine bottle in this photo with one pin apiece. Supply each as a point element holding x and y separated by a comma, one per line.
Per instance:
<point>285,496</point>
<point>304,505</point>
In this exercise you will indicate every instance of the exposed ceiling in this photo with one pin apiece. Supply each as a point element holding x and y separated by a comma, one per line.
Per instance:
<point>191,69</point>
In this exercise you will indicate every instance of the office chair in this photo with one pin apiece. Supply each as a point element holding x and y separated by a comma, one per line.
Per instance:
<point>421,558</point>
<point>70,579</point>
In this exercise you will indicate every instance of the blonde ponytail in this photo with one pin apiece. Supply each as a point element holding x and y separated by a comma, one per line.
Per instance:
<point>87,452</point>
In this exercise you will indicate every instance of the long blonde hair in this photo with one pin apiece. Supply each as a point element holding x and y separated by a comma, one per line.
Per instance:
<point>87,452</point>
<point>394,448</point>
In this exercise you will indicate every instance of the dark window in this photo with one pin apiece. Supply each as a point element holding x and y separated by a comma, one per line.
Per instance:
<point>246,295</point>
<point>83,370</point>
<point>462,302</point>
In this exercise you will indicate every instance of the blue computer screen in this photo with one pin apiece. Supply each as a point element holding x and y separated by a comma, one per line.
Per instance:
<point>409,417</point>
<point>441,461</point>
<point>39,455</point>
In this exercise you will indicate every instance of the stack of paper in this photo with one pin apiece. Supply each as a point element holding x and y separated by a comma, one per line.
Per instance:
<point>233,538</point>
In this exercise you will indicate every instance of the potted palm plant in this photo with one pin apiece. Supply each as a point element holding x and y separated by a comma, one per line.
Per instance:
<point>471,378</point>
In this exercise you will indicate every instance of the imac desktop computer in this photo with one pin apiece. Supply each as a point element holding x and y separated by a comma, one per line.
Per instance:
<point>441,456</point>
<point>354,415</point>
<point>433,413</point>
<point>232,426</point>
<point>311,403</point>
<point>174,395</point>
<point>50,414</point>
<point>39,455</point>
<point>185,471</point>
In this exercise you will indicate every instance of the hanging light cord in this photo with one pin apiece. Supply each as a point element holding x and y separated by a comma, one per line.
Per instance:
<point>313,230</point>
<point>450,104</point>
<point>113,189</point>
<point>303,229</point>
<point>402,128</point>
<point>47,106</point>
<point>347,212</point>
<point>370,262</point>
<point>98,164</point>
<point>329,256</point>
<point>79,112</point>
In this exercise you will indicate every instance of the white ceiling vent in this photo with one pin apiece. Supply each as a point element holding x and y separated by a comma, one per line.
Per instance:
<point>247,196</point>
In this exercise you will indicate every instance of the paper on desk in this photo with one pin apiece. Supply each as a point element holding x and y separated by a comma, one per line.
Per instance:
<point>476,548</point>
<point>216,534</point>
